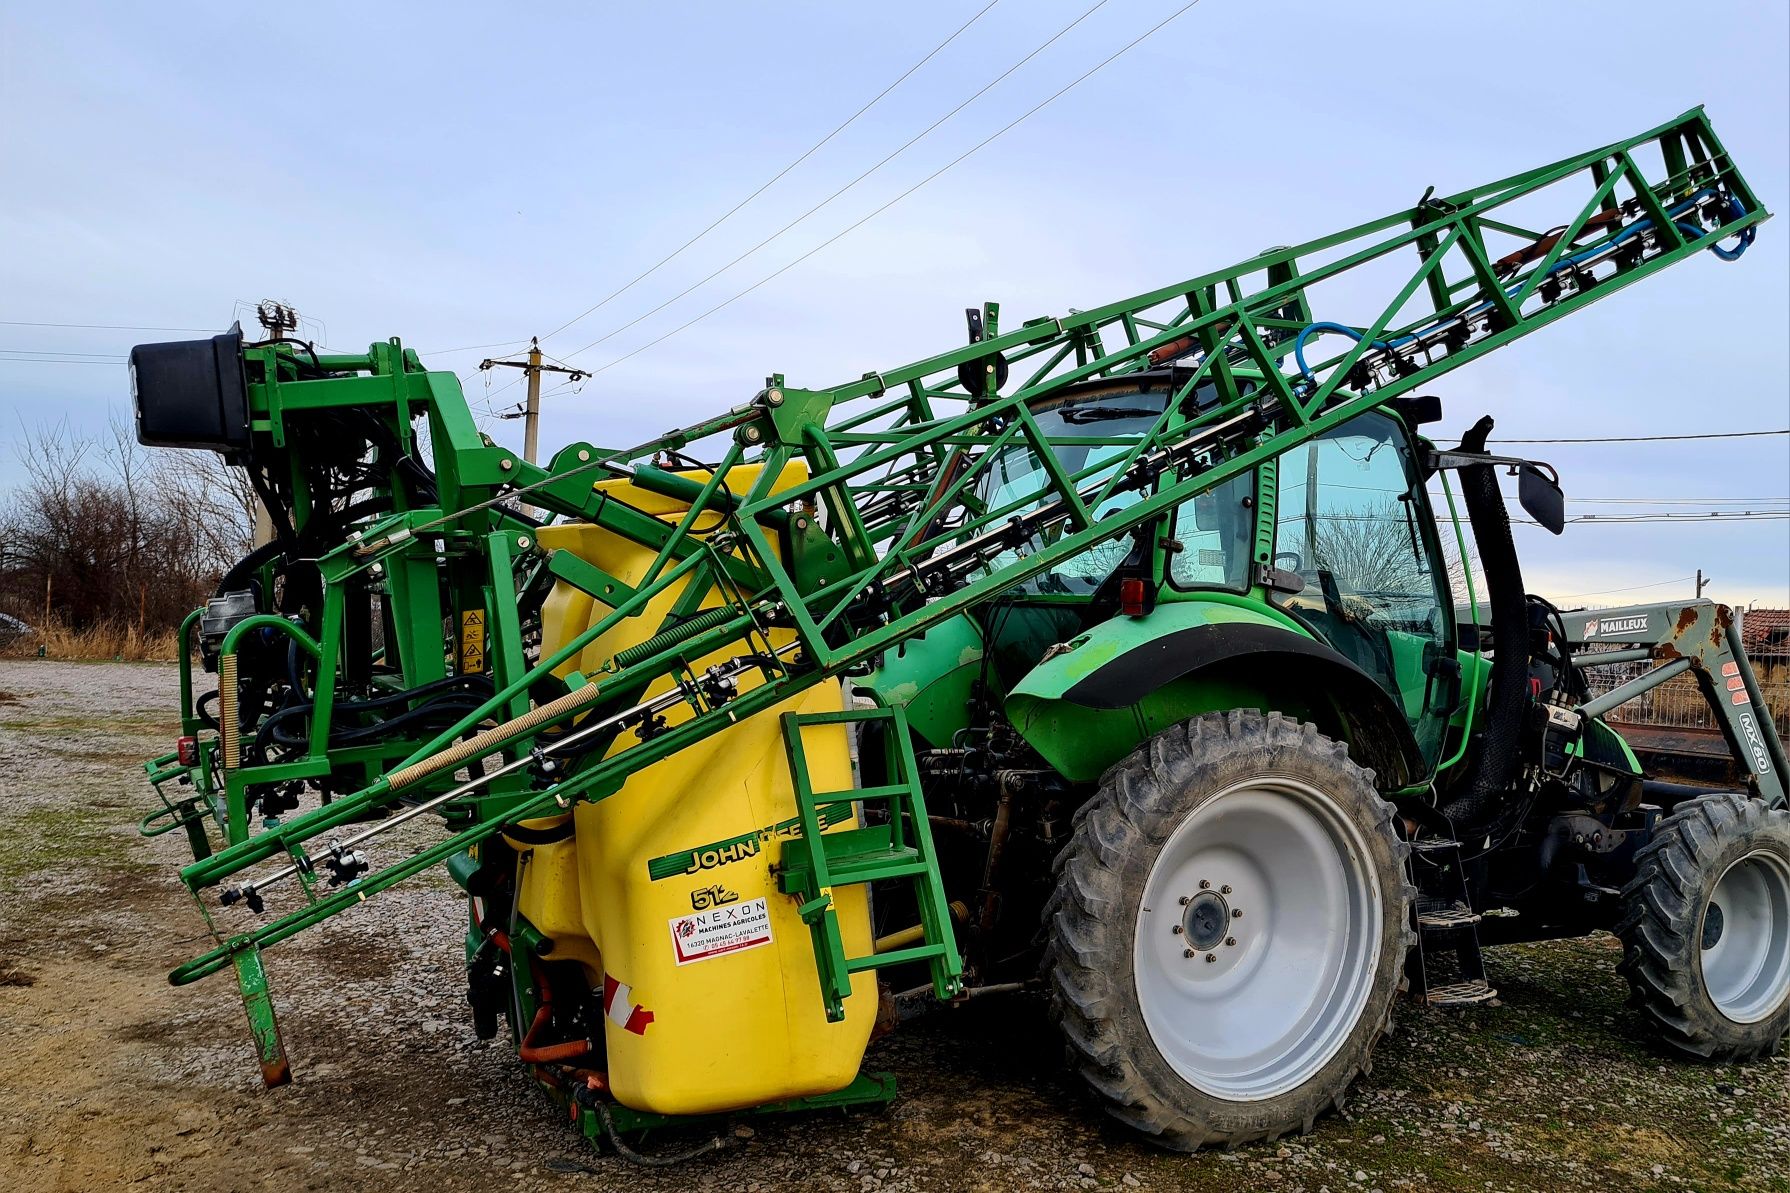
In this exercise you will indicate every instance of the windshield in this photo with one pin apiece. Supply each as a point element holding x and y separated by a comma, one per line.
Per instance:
<point>1092,435</point>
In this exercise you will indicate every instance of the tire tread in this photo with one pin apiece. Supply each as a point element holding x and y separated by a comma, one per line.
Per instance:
<point>1661,928</point>
<point>1131,809</point>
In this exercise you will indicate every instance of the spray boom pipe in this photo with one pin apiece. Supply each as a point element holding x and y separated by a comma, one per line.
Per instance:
<point>656,705</point>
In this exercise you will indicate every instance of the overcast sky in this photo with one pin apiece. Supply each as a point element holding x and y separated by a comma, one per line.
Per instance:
<point>468,174</point>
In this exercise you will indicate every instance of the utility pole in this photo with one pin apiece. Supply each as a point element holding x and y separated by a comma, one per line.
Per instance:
<point>1701,582</point>
<point>531,413</point>
<point>531,419</point>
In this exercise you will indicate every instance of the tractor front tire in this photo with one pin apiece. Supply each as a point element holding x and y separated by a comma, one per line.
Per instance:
<point>1705,929</point>
<point>1228,931</point>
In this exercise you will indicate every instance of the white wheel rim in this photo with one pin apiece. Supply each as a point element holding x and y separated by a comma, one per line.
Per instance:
<point>1745,934</point>
<point>1267,997</point>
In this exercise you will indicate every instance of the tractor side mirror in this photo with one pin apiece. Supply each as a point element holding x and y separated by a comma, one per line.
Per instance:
<point>1538,485</point>
<point>1419,409</point>
<point>1541,497</point>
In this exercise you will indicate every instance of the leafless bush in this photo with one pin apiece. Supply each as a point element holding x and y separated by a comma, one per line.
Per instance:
<point>105,534</point>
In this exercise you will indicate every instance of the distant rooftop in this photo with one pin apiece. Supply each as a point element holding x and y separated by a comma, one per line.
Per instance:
<point>1766,632</point>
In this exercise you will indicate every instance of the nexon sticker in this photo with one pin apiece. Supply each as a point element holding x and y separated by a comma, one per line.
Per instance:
<point>720,931</point>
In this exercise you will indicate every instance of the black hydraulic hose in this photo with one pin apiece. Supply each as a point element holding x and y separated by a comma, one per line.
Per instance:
<point>458,694</point>
<point>440,712</point>
<point>1568,678</point>
<point>248,565</point>
<point>478,684</point>
<point>1494,763</point>
<point>667,1160</point>
<point>281,551</point>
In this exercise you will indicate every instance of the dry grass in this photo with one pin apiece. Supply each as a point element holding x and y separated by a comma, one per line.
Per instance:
<point>108,641</point>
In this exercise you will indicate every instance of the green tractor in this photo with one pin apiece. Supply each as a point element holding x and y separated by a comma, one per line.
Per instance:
<point>1197,770</point>
<point>1116,656</point>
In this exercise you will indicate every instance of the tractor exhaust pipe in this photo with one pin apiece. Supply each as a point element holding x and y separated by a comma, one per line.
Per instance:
<point>1495,761</point>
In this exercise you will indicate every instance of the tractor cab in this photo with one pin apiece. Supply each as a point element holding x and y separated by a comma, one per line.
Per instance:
<point>1323,560</point>
<point>1092,430</point>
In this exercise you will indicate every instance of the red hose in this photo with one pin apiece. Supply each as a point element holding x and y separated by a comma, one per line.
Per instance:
<point>532,1053</point>
<point>529,1051</point>
<point>496,936</point>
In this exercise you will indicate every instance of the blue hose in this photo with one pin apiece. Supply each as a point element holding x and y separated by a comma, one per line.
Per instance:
<point>1735,211</point>
<point>1692,231</point>
<point>1306,333</point>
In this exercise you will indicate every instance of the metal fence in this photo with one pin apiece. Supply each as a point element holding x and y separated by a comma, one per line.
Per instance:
<point>1678,704</point>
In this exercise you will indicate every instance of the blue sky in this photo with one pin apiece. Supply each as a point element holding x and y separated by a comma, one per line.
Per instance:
<point>464,174</point>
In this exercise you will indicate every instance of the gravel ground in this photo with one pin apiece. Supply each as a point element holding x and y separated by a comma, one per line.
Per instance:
<point>109,1077</point>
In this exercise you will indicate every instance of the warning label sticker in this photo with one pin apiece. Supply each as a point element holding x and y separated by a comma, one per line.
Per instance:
<point>472,642</point>
<point>720,930</point>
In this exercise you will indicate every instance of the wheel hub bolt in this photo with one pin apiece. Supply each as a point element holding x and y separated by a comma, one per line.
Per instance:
<point>1205,885</point>
<point>1230,940</point>
<point>1186,899</point>
<point>1187,952</point>
<point>1236,913</point>
<point>1211,957</point>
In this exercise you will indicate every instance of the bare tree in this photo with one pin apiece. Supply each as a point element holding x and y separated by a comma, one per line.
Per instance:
<point>103,532</point>
<point>1379,548</point>
<point>213,503</point>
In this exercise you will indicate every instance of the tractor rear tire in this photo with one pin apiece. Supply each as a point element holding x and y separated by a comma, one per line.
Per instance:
<point>1706,929</point>
<point>1228,931</point>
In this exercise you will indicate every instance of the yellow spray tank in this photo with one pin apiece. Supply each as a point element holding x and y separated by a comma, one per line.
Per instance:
<point>666,892</point>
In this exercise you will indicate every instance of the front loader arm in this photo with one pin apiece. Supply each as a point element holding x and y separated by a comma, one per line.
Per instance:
<point>1700,637</point>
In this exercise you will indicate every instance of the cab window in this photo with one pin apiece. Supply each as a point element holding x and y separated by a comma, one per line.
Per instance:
<point>1213,535</point>
<point>1352,522</point>
<point>1215,530</point>
<point>1088,434</point>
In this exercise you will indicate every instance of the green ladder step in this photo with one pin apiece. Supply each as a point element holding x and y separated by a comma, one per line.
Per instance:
<point>856,855</point>
<point>889,791</point>
<point>816,862</point>
<point>919,952</point>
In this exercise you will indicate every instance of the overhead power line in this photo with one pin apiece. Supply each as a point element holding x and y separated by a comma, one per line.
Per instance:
<point>1631,588</point>
<point>1651,438</point>
<point>902,148</point>
<point>102,326</point>
<point>472,347</point>
<point>768,183</point>
<point>731,211</point>
<point>35,356</point>
<point>1756,515</point>
<point>1713,502</point>
<point>61,352</point>
<point>1003,130</point>
<point>1678,500</point>
<point>56,360</point>
<point>1686,519</point>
